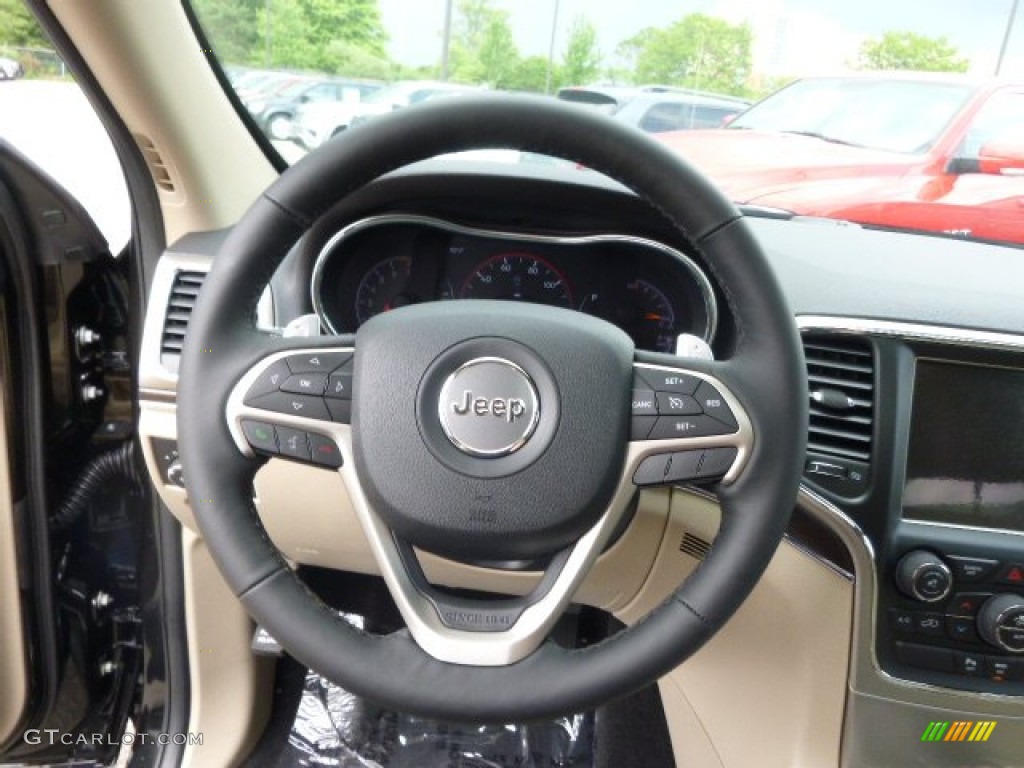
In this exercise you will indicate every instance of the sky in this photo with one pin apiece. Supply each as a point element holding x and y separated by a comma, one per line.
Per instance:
<point>792,37</point>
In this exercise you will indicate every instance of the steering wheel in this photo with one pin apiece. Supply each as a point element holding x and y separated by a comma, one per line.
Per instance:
<point>490,432</point>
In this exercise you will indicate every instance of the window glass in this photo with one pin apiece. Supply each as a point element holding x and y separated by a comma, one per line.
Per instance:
<point>45,116</point>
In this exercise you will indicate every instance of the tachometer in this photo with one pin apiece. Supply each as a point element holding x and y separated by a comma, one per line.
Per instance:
<point>397,282</point>
<point>382,288</point>
<point>518,277</point>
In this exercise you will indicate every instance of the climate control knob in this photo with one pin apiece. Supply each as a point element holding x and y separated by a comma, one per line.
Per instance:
<point>1001,622</point>
<point>923,576</point>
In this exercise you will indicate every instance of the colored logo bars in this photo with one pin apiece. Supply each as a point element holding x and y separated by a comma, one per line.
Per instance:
<point>959,731</point>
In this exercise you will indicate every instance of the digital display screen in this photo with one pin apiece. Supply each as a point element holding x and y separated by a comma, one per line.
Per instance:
<point>966,459</point>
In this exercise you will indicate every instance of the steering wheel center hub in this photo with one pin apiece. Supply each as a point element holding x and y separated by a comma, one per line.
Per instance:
<point>489,407</point>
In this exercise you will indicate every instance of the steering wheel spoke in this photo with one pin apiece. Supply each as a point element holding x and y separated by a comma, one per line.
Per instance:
<point>296,404</point>
<point>686,426</point>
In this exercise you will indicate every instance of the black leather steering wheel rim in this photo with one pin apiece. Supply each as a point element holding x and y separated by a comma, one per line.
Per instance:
<point>765,370</point>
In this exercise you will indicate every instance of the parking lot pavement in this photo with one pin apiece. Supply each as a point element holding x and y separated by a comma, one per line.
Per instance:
<point>53,124</point>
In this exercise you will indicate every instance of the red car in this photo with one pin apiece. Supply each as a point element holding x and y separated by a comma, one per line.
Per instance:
<point>937,153</point>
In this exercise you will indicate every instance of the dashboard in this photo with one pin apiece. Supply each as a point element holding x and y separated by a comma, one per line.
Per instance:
<point>652,291</point>
<point>915,348</point>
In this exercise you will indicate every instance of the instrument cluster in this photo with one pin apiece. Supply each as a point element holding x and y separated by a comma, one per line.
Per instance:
<point>650,290</point>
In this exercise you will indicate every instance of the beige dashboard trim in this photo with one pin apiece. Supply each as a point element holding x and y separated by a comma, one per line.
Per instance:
<point>13,672</point>
<point>231,687</point>
<point>215,167</point>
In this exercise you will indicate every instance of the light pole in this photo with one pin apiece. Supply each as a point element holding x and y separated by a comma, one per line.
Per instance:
<point>1006,36</point>
<point>551,48</point>
<point>446,42</point>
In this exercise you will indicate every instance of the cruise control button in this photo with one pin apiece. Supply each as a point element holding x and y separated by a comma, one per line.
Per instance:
<point>682,405</point>
<point>341,410</point>
<point>317,362</point>
<point>259,435</point>
<point>640,427</point>
<point>669,381</point>
<point>643,403</point>
<point>971,568</point>
<point>714,405</point>
<point>268,381</point>
<point>339,386</point>
<point>305,384</point>
<point>669,427</point>
<point>292,443</point>
<point>296,405</point>
<point>324,451</point>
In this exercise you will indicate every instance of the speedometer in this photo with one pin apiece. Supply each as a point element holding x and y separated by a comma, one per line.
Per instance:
<point>518,277</point>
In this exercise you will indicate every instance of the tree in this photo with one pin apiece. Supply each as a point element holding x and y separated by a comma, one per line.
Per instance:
<point>235,28</point>
<point>300,34</point>
<point>19,27</point>
<point>483,47</point>
<point>697,51</point>
<point>531,74</point>
<point>910,51</point>
<point>498,54</point>
<point>582,61</point>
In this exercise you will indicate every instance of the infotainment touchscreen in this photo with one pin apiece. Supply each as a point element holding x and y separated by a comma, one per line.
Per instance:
<point>966,459</point>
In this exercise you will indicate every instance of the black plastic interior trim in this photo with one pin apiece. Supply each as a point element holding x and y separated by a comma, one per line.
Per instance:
<point>278,162</point>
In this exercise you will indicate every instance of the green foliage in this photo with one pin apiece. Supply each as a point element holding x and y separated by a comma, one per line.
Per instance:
<point>531,74</point>
<point>498,54</point>
<point>19,27</point>
<point>697,51</point>
<point>582,61</point>
<point>910,51</point>
<point>324,35</point>
<point>234,28</point>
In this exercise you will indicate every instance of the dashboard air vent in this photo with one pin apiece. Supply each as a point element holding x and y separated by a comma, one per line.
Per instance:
<point>841,381</point>
<point>184,291</point>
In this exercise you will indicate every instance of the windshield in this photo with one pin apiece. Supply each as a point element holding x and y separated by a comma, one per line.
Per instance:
<point>891,115</point>
<point>903,115</point>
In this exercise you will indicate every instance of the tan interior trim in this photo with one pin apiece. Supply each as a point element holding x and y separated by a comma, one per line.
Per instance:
<point>13,670</point>
<point>215,175</point>
<point>231,688</point>
<point>770,688</point>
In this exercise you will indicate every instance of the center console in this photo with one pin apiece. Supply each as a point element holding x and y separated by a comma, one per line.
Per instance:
<point>943,509</point>
<point>953,601</point>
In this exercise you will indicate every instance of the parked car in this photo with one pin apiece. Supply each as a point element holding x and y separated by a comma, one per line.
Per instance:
<point>274,114</point>
<point>317,122</point>
<point>657,108</point>
<point>938,153</point>
<point>10,69</point>
<point>661,112</point>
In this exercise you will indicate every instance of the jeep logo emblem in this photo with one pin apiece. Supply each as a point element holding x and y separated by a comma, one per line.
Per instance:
<point>508,408</point>
<point>489,407</point>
